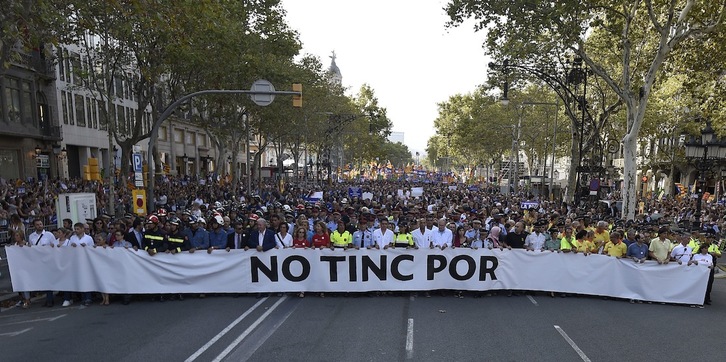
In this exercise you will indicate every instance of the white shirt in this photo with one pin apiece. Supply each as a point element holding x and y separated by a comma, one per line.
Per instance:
<point>283,241</point>
<point>535,241</point>
<point>42,239</point>
<point>441,238</point>
<point>682,253</point>
<point>702,259</point>
<point>85,239</point>
<point>422,239</point>
<point>261,237</point>
<point>65,242</point>
<point>382,239</point>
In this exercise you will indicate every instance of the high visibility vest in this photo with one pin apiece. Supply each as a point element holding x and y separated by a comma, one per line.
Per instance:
<point>339,239</point>
<point>403,240</point>
<point>176,243</point>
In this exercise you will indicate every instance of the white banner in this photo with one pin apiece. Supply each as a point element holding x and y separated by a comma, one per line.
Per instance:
<point>293,270</point>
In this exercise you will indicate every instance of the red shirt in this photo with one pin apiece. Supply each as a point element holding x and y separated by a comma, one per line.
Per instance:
<point>299,243</point>
<point>321,240</point>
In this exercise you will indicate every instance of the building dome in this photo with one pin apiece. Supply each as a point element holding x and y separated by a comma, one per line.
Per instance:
<point>334,71</point>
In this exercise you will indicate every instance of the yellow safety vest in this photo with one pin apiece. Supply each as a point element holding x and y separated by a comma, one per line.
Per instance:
<point>339,239</point>
<point>404,239</point>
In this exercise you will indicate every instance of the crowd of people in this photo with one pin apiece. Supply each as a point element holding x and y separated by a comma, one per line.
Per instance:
<point>194,215</point>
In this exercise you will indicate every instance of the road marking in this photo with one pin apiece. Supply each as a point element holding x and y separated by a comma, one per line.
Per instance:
<point>409,339</point>
<point>13,334</point>
<point>247,331</point>
<point>252,347</point>
<point>35,320</point>
<point>572,344</point>
<point>224,331</point>
<point>531,299</point>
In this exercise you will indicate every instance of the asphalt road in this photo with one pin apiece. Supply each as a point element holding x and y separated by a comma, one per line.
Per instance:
<point>362,328</point>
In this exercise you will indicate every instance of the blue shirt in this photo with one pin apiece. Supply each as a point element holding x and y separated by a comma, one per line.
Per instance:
<point>637,251</point>
<point>199,239</point>
<point>218,239</point>
<point>362,239</point>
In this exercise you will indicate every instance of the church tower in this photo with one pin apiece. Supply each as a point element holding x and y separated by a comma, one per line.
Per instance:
<point>334,72</point>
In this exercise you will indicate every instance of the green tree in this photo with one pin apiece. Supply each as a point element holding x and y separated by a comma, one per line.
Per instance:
<point>529,29</point>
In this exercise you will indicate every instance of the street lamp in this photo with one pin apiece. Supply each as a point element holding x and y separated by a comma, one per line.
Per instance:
<point>704,155</point>
<point>37,150</point>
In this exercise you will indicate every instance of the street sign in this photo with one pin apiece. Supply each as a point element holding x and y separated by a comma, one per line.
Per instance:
<point>262,100</point>
<point>138,168</point>
<point>138,164</point>
<point>139,199</point>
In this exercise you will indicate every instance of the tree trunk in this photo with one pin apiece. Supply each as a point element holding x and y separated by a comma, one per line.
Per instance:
<point>630,147</point>
<point>572,174</point>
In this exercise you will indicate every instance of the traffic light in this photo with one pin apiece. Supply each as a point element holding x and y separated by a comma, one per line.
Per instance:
<point>297,99</point>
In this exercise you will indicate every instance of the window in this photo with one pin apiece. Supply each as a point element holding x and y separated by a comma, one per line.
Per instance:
<point>190,138</point>
<point>80,111</point>
<point>12,96</point>
<point>202,139</point>
<point>119,120</point>
<point>26,104</point>
<point>178,136</point>
<point>9,165</point>
<point>103,122</point>
<point>130,120</point>
<point>162,133</point>
<point>64,107</point>
<point>76,68</point>
<point>67,65</point>
<point>19,101</point>
<point>61,65</point>
<point>118,87</point>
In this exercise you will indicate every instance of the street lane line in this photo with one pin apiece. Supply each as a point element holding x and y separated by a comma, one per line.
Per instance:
<point>247,331</point>
<point>409,339</point>
<point>35,320</point>
<point>252,347</point>
<point>13,334</point>
<point>224,331</point>
<point>531,299</point>
<point>572,344</point>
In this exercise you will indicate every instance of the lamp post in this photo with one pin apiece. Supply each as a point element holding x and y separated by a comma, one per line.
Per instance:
<point>704,155</point>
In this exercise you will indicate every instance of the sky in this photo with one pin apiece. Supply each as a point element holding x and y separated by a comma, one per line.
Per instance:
<point>401,48</point>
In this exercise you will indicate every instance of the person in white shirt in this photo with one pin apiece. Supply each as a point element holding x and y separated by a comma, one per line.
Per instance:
<point>61,237</point>
<point>382,237</point>
<point>283,238</point>
<point>441,237</point>
<point>40,237</point>
<point>536,239</point>
<point>421,235</point>
<point>704,258</point>
<point>682,253</point>
<point>79,237</point>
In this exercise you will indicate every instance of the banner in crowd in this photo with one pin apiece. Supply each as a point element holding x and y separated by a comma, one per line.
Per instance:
<point>292,270</point>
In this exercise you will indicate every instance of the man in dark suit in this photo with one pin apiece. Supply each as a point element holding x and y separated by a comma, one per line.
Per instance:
<point>136,235</point>
<point>262,238</point>
<point>239,238</point>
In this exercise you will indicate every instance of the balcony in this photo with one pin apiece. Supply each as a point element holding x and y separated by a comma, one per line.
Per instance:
<point>42,66</point>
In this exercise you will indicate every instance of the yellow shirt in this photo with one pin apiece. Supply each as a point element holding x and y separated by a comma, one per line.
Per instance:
<point>338,239</point>
<point>603,237</point>
<point>567,244</point>
<point>584,246</point>
<point>618,250</point>
<point>659,248</point>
